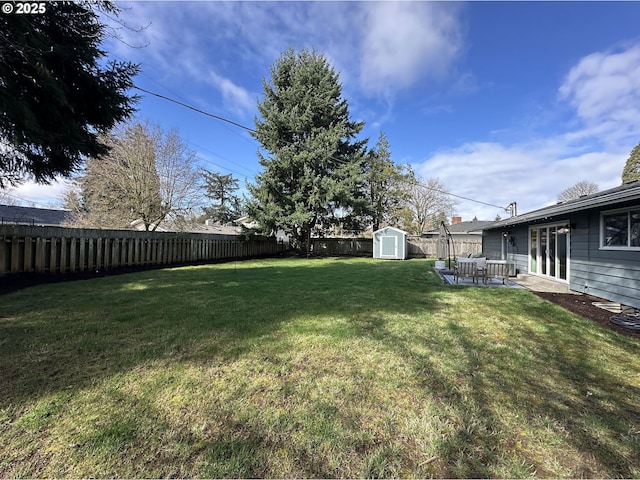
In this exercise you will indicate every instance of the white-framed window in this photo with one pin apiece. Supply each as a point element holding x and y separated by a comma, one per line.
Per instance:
<point>620,229</point>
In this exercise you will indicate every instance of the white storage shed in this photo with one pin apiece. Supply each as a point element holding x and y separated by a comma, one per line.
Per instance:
<point>390,243</point>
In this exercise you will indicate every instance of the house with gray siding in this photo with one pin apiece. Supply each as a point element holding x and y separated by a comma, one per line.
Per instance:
<point>591,243</point>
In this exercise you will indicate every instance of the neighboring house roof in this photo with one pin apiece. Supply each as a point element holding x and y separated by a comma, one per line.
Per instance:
<point>33,216</point>
<point>246,222</point>
<point>213,229</point>
<point>625,192</point>
<point>469,227</point>
<point>191,227</point>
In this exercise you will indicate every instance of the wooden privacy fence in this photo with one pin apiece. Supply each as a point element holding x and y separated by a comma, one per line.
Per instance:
<point>25,249</point>
<point>342,246</point>
<point>428,247</point>
<point>419,247</point>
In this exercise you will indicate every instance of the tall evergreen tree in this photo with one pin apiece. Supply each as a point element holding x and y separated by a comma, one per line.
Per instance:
<point>631,169</point>
<point>221,190</point>
<point>313,174</point>
<point>388,184</point>
<point>56,97</point>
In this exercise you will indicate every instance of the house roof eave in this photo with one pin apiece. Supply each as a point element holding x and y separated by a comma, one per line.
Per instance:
<point>602,199</point>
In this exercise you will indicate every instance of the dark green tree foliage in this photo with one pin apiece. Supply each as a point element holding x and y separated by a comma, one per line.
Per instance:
<point>388,184</point>
<point>55,96</point>
<point>631,169</point>
<point>313,174</point>
<point>220,190</point>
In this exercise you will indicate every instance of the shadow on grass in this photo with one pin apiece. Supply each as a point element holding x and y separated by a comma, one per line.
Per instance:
<point>551,379</point>
<point>59,338</point>
<point>67,336</point>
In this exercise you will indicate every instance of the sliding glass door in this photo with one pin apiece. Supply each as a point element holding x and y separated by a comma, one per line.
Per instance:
<point>548,251</point>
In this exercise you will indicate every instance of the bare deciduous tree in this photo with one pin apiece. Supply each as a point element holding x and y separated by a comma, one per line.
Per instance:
<point>148,177</point>
<point>7,199</point>
<point>578,190</point>
<point>427,203</point>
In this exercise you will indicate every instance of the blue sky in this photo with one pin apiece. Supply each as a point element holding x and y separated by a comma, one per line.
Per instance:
<point>502,101</point>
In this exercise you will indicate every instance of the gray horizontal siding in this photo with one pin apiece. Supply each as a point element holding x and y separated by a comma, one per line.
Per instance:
<point>491,246</point>
<point>610,274</point>
<point>609,278</point>
<point>492,241</point>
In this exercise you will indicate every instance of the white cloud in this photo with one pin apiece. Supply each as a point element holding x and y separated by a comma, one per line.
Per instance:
<point>179,38</point>
<point>234,95</point>
<point>45,196</point>
<point>498,174</point>
<point>379,48</point>
<point>604,90</point>
<point>407,41</point>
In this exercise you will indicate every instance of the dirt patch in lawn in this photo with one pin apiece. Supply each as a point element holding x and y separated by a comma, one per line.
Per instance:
<point>583,305</point>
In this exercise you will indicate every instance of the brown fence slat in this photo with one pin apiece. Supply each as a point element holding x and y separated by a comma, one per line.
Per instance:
<point>29,248</point>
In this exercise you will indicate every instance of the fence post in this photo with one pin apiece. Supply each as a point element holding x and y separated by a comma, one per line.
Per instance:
<point>72,256</point>
<point>90,253</point>
<point>3,253</point>
<point>53,259</point>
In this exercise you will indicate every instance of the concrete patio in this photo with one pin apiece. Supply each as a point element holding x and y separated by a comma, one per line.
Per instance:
<point>530,282</point>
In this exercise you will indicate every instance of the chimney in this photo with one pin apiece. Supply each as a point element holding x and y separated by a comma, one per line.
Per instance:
<point>455,220</point>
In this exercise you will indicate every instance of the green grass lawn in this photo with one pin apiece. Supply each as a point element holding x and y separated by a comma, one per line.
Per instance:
<point>309,368</point>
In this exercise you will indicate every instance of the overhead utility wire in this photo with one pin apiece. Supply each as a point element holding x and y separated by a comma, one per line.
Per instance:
<point>182,104</point>
<point>177,96</point>
<point>463,198</point>
<point>218,117</point>
<point>37,204</point>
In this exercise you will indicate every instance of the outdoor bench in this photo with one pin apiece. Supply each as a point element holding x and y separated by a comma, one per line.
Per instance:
<point>496,269</point>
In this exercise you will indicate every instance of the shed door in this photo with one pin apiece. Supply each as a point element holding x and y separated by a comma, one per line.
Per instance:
<point>389,246</point>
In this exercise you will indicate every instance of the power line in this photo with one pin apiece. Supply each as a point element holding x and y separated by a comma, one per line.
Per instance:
<point>178,96</point>
<point>190,107</point>
<point>236,124</point>
<point>462,197</point>
<point>26,200</point>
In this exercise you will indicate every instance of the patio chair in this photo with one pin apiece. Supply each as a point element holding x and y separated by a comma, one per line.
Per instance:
<point>496,269</point>
<point>465,267</point>
<point>481,265</point>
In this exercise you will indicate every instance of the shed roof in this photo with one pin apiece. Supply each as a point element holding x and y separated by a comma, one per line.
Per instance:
<point>625,192</point>
<point>391,228</point>
<point>32,215</point>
